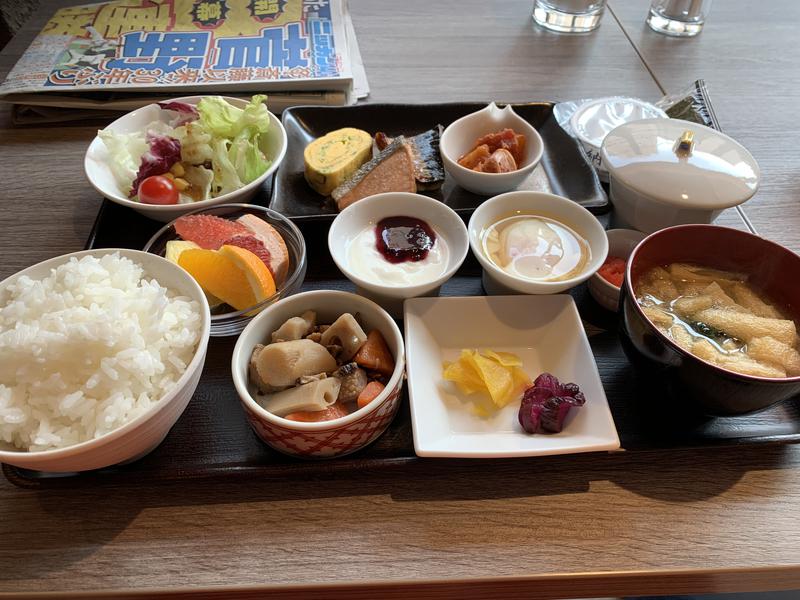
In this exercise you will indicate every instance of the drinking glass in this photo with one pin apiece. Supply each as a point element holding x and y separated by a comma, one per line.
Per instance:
<point>568,16</point>
<point>681,18</point>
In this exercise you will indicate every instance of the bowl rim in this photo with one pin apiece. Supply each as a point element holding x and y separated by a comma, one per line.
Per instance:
<point>197,358</point>
<point>208,202</point>
<point>291,280</point>
<point>461,170</point>
<point>671,343</point>
<point>648,195</point>
<point>455,234</point>
<point>247,399</point>
<point>500,275</point>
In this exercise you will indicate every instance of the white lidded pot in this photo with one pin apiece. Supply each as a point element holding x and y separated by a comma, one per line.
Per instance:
<point>666,172</point>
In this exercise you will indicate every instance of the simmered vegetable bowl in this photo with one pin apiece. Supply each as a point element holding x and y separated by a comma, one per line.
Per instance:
<point>202,151</point>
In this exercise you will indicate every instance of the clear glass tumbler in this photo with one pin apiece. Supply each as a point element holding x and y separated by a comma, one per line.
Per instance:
<point>681,18</point>
<point>568,16</point>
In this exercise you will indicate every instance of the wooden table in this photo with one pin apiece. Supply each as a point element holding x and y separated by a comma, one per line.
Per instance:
<point>574,526</point>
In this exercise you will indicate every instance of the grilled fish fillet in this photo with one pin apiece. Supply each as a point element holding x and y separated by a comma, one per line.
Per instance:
<point>428,165</point>
<point>390,171</point>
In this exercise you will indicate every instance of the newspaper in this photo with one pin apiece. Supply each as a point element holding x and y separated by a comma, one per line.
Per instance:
<point>126,53</point>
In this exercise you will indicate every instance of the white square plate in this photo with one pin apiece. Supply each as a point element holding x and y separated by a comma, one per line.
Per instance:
<point>544,331</point>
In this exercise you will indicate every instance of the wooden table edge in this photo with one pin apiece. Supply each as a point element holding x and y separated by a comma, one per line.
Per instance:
<point>550,586</point>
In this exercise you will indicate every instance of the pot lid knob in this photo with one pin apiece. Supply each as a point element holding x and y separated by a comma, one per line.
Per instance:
<point>685,143</point>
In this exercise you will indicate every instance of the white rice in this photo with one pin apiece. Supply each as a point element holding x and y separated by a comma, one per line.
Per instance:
<point>88,348</point>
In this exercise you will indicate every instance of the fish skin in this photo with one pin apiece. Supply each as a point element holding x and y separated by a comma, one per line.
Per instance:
<point>424,147</point>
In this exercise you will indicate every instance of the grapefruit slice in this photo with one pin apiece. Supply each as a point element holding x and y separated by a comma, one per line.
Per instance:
<point>255,245</point>
<point>208,231</point>
<point>273,242</point>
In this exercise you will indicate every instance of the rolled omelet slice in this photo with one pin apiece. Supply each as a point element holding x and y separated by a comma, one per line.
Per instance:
<point>334,157</point>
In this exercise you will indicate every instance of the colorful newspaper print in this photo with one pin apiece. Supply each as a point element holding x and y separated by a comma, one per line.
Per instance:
<point>153,43</point>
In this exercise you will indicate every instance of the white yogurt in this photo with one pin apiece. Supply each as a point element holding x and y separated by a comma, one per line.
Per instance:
<point>366,262</point>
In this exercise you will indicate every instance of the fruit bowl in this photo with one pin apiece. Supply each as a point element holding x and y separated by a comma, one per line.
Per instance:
<point>226,321</point>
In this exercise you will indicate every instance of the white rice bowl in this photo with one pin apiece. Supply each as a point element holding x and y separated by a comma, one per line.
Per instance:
<point>87,349</point>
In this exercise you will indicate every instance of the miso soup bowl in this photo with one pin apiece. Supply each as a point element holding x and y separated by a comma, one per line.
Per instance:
<point>326,439</point>
<point>565,211</point>
<point>713,390</point>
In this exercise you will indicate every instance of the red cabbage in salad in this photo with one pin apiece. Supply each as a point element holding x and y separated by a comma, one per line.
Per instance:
<point>164,152</point>
<point>186,112</point>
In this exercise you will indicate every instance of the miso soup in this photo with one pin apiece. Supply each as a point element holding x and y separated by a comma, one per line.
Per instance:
<point>719,317</point>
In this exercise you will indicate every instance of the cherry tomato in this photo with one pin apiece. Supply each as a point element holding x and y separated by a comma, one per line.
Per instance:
<point>158,189</point>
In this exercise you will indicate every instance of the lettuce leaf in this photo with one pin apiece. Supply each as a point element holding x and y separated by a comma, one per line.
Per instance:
<point>222,119</point>
<point>243,128</point>
<point>124,150</point>
<point>248,159</point>
<point>226,179</point>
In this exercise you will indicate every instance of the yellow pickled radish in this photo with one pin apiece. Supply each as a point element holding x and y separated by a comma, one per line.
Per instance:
<point>235,275</point>
<point>498,375</point>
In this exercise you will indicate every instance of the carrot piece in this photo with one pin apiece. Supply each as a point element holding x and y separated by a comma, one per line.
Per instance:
<point>334,411</point>
<point>371,391</point>
<point>374,354</point>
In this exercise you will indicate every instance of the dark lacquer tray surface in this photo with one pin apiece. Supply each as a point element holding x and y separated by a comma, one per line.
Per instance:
<point>213,440</point>
<point>563,170</point>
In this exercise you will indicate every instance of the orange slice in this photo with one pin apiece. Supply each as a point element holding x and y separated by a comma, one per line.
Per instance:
<point>233,274</point>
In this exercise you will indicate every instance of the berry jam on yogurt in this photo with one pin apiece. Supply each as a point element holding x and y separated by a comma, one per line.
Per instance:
<point>398,251</point>
<point>402,239</point>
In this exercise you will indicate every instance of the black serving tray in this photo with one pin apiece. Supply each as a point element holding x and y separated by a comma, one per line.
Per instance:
<point>213,440</point>
<point>564,169</point>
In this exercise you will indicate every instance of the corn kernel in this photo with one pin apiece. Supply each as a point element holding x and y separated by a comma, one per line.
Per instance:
<point>178,170</point>
<point>181,184</point>
<point>169,176</point>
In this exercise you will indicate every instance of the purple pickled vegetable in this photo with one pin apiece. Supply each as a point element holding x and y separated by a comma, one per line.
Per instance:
<point>546,404</point>
<point>187,112</point>
<point>164,152</point>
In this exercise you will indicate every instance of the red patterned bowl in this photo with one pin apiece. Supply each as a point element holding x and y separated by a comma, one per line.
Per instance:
<point>327,439</point>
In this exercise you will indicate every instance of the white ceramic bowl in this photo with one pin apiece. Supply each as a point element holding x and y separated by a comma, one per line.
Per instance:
<point>142,434</point>
<point>461,135</point>
<point>580,220</point>
<point>325,439</point>
<point>621,243</point>
<point>367,212</point>
<point>95,163</point>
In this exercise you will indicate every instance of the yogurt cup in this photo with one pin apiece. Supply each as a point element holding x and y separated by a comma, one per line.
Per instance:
<point>351,241</point>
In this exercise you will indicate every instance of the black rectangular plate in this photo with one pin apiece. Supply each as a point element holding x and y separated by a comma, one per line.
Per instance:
<point>564,169</point>
<point>213,440</point>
